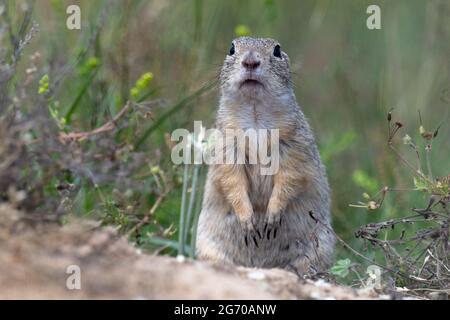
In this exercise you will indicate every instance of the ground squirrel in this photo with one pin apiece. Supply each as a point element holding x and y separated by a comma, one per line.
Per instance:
<point>259,220</point>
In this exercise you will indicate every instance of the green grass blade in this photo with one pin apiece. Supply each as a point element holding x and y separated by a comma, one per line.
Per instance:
<point>165,242</point>
<point>80,95</point>
<point>174,109</point>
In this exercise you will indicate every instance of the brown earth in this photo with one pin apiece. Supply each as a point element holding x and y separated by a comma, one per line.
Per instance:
<point>34,258</point>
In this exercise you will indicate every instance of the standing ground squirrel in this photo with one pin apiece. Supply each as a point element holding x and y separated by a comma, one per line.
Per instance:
<point>259,220</point>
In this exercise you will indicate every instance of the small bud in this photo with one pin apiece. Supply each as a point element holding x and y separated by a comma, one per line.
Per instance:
<point>372,205</point>
<point>155,170</point>
<point>242,30</point>
<point>134,92</point>
<point>43,84</point>
<point>366,196</point>
<point>148,76</point>
<point>407,139</point>
<point>92,63</point>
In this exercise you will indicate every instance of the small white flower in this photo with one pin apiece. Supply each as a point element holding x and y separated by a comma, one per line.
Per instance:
<point>181,258</point>
<point>407,139</point>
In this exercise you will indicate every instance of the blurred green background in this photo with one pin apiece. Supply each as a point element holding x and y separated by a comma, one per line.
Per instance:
<point>346,79</point>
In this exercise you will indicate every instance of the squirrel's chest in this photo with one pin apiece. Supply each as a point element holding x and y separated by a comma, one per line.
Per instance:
<point>260,187</point>
<point>257,115</point>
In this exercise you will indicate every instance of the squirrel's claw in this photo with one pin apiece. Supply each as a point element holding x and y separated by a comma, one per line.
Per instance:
<point>253,236</point>
<point>249,230</point>
<point>256,242</point>
<point>259,234</point>
<point>273,222</point>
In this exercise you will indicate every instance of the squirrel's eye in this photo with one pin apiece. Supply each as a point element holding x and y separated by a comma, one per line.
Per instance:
<point>277,51</point>
<point>232,49</point>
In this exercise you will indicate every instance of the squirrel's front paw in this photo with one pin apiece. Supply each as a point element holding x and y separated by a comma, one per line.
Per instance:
<point>251,233</point>
<point>272,223</point>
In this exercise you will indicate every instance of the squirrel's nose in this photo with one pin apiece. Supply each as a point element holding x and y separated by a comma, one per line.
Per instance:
<point>251,62</point>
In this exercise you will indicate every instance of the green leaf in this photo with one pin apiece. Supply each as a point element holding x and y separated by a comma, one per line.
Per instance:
<point>166,243</point>
<point>80,95</point>
<point>420,184</point>
<point>341,268</point>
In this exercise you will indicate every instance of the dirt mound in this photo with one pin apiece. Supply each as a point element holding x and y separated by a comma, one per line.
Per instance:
<point>34,258</point>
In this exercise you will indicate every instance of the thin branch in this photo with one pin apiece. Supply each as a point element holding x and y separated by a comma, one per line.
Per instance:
<point>149,215</point>
<point>110,125</point>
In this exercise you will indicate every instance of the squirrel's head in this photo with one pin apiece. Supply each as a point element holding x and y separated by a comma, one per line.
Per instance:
<point>255,68</point>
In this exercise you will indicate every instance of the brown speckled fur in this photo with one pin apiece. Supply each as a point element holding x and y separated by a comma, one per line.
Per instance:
<point>263,221</point>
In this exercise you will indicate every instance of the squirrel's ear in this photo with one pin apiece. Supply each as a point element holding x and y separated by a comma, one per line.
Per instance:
<point>277,51</point>
<point>232,49</point>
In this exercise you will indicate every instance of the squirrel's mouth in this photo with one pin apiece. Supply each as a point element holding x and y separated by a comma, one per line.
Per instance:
<point>251,83</point>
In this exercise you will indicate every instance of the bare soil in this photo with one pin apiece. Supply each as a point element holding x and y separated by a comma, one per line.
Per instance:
<point>34,258</point>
